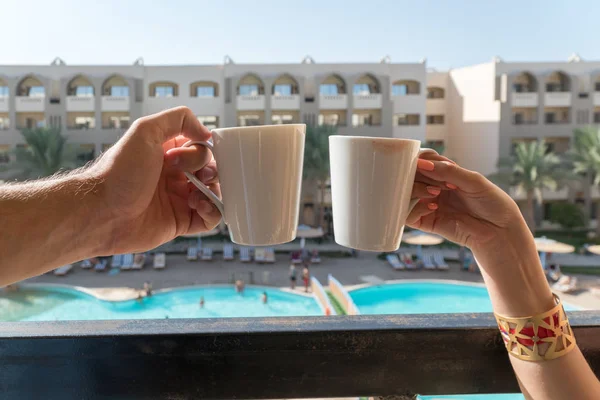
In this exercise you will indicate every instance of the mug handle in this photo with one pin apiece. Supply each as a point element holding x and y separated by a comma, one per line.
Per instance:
<point>198,183</point>
<point>414,202</point>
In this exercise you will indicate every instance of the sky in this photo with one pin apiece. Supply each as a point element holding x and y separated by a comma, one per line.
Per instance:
<point>448,33</point>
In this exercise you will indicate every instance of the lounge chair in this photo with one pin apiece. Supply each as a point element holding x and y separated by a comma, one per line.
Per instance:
<point>565,284</point>
<point>100,266</point>
<point>86,264</point>
<point>428,262</point>
<point>127,261</point>
<point>315,258</point>
<point>406,259</point>
<point>395,263</point>
<point>192,253</point>
<point>228,252</point>
<point>138,261</point>
<point>160,261</point>
<point>296,257</point>
<point>260,255</point>
<point>440,263</point>
<point>62,271</point>
<point>245,254</point>
<point>207,254</point>
<point>270,255</point>
<point>116,261</point>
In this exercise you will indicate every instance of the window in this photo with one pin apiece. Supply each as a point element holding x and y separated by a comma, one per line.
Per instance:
<point>37,91</point>
<point>362,119</point>
<point>361,89</point>
<point>248,120</point>
<point>435,93</point>
<point>163,91</point>
<point>329,119</point>
<point>85,152</point>
<point>4,123</point>
<point>84,123</point>
<point>597,117</point>
<point>435,120</point>
<point>209,121</point>
<point>328,89</point>
<point>583,116</point>
<point>4,155</point>
<point>205,91</point>
<point>597,87</point>
<point>279,119</point>
<point>518,118</point>
<point>550,118</point>
<point>84,91</point>
<point>555,87</point>
<point>400,90</point>
<point>248,90</point>
<point>407,119</point>
<point>519,87</point>
<point>282,90</point>
<point>3,91</point>
<point>121,122</point>
<point>119,91</point>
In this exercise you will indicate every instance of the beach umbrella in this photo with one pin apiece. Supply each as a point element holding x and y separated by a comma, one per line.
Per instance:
<point>305,231</point>
<point>420,239</point>
<point>545,246</point>
<point>595,249</point>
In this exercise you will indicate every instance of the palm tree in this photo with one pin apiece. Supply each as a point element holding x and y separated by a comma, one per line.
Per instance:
<point>316,161</point>
<point>46,154</point>
<point>585,155</point>
<point>531,169</point>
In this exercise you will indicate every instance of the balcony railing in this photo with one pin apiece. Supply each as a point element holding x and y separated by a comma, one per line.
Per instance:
<point>266,358</point>
<point>4,103</point>
<point>367,101</point>
<point>596,98</point>
<point>30,104</point>
<point>115,103</point>
<point>81,103</point>
<point>557,99</point>
<point>333,102</point>
<point>290,102</point>
<point>524,99</point>
<point>251,102</point>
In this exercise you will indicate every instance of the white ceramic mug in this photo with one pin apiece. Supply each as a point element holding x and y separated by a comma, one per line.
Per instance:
<point>260,172</point>
<point>371,186</point>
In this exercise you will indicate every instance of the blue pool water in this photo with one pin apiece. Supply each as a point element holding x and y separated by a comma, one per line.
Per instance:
<point>422,298</point>
<point>59,304</point>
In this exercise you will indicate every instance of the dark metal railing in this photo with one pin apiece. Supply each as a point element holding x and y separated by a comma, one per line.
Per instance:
<point>264,358</point>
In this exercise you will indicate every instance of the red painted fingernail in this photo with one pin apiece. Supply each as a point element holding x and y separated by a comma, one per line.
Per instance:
<point>425,165</point>
<point>432,206</point>
<point>434,190</point>
<point>451,186</point>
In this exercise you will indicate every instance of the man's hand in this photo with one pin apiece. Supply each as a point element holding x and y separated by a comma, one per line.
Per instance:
<point>143,194</point>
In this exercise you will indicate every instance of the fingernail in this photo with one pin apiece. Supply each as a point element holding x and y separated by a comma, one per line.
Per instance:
<point>451,186</point>
<point>434,190</point>
<point>432,206</point>
<point>425,165</point>
<point>206,174</point>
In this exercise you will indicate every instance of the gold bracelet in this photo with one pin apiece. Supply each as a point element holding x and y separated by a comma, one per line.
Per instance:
<point>541,337</point>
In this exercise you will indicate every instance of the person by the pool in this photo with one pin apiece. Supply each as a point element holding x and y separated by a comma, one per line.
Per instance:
<point>135,197</point>
<point>265,298</point>
<point>306,278</point>
<point>240,286</point>
<point>202,302</point>
<point>292,276</point>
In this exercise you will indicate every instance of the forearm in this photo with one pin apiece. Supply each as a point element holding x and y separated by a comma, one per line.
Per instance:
<point>518,288</point>
<point>46,224</point>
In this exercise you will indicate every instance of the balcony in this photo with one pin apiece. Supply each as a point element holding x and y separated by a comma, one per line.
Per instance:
<point>524,99</point>
<point>4,104</point>
<point>339,356</point>
<point>436,132</point>
<point>596,98</point>
<point>250,102</point>
<point>81,103</point>
<point>333,102</point>
<point>30,104</point>
<point>285,102</point>
<point>368,101</point>
<point>435,106</point>
<point>557,99</point>
<point>115,103</point>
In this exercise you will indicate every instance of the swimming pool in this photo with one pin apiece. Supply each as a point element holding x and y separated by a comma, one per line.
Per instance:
<point>61,304</point>
<point>423,298</point>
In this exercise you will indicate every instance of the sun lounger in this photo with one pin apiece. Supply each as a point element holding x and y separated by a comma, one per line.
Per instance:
<point>116,261</point>
<point>192,253</point>
<point>100,266</point>
<point>394,262</point>
<point>406,259</point>
<point>62,271</point>
<point>440,263</point>
<point>296,257</point>
<point>207,254</point>
<point>260,255</point>
<point>428,262</point>
<point>127,261</point>
<point>138,261</point>
<point>160,261</point>
<point>228,252</point>
<point>270,255</point>
<point>86,264</point>
<point>315,258</point>
<point>565,284</point>
<point>245,254</point>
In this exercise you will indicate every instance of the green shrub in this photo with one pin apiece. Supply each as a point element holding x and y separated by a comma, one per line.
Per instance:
<point>567,215</point>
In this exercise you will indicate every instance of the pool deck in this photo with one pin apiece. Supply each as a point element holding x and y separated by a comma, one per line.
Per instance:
<point>349,271</point>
